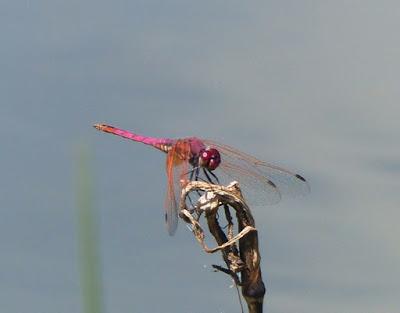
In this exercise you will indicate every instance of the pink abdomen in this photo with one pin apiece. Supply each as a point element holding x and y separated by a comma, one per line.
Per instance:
<point>163,144</point>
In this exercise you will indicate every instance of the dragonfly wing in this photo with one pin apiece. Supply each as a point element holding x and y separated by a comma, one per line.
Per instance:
<point>258,176</point>
<point>177,168</point>
<point>288,183</point>
<point>256,188</point>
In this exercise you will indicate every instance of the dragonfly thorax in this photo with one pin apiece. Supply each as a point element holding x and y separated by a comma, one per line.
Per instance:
<point>209,158</point>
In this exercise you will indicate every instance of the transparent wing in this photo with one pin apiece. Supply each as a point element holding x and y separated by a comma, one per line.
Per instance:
<point>260,181</point>
<point>177,168</point>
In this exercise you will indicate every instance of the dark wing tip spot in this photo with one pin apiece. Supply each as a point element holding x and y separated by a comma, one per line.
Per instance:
<point>300,177</point>
<point>272,183</point>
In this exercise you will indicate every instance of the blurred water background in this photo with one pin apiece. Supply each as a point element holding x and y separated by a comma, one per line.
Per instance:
<point>312,86</point>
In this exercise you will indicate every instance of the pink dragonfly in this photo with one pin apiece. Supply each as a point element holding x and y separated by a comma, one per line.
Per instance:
<point>198,159</point>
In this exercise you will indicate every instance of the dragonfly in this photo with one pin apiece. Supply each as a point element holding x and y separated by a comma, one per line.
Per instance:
<point>193,158</point>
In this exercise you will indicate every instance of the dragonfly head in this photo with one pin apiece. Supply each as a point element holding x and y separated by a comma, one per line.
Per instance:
<point>209,158</point>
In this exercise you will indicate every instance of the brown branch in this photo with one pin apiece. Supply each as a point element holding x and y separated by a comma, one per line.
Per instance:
<point>240,252</point>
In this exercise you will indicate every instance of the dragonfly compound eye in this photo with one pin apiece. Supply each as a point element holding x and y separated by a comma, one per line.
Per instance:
<point>210,158</point>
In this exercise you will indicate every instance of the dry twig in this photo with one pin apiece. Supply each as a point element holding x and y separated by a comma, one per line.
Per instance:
<point>240,252</point>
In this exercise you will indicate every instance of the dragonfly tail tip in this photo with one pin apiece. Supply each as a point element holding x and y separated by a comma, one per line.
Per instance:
<point>98,126</point>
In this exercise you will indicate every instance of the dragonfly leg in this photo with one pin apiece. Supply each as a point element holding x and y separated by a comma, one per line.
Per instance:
<point>191,174</point>
<point>213,175</point>
<point>206,172</point>
<point>197,170</point>
<point>198,178</point>
<point>208,177</point>
<point>192,171</point>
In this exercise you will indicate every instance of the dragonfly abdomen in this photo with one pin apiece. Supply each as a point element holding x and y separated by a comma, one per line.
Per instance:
<point>163,144</point>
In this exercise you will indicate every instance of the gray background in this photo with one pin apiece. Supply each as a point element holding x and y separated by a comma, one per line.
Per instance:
<point>309,85</point>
